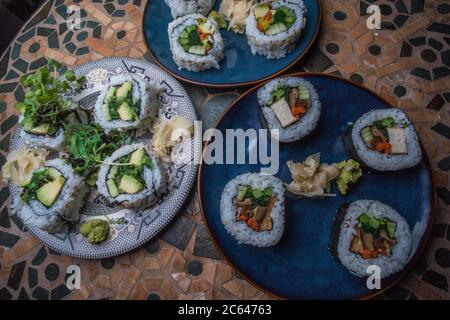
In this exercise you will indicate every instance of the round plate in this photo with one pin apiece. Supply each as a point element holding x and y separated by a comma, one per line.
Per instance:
<point>300,266</point>
<point>136,228</point>
<point>239,67</point>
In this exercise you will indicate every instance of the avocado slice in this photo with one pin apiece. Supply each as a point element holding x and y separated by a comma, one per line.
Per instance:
<point>112,187</point>
<point>49,192</point>
<point>53,173</point>
<point>242,192</point>
<point>122,92</point>
<point>206,27</point>
<point>138,157</point>
<point>390,228</point>
<point>130,185</point>
<point>261,10</point>
<point>27,124</point>
<point>125,112</point>
<point>42,129</point>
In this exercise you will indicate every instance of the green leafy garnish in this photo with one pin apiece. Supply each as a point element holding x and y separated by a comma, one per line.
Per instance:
<point>128,169</point>
<point>45,97</point>
<point>388,122</point>
<point>88,145</point>
<point>279,93</point>
<point>374,225</point>
<point>38,179</point>
<point>258,197</point>
<point>279,16</point>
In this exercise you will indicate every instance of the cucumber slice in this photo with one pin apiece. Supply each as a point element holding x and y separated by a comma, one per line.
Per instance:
<point>183,41</point>
<point>367,136</point>
<point>198,50</point>
<point>112,172</point>
<point>184,35</point>
<point>111,93</point>
<point>112,188</point>
<point>290,19</point>
<point>303,93</point>
<point>390,228</point>
<point>106,112</point>
<point>276,28</point>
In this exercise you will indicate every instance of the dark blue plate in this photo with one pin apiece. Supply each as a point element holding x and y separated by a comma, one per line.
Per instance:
<point>240,66</point>
<point>300,265</point>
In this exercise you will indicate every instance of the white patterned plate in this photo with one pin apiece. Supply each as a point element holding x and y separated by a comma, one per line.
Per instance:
<point>136,228</point>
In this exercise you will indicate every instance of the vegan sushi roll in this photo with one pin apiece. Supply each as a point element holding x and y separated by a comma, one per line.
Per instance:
<point>132,176</point>
<point>195,42</point>
<point>384,140</point>
<point>52,198</point>
<point>273,28</point>
<point>252,209</point>
<point>179,8</point>
<point>46,104</point>
<point>368,232</point>
<point>128,102</point>
<point>290,105</point>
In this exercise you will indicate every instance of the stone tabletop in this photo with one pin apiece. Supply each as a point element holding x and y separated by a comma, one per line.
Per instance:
<point>407,62</point>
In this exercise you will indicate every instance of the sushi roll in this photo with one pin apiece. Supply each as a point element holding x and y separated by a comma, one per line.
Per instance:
<point>368,232</point>
<point>179,8</point>
<point>132,176</point>
<point>42,135</point>
<point>52,198</point>
<point>384,140</point>
<point>195,42</point>
<point>291,106</point>
<point>128,102</point>
<point>44,130</point>
<point>273,28</point>
<point>252,209</point>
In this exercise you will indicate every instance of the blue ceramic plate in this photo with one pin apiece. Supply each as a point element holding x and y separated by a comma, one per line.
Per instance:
<point>300,265</point>
<point>239,67</point>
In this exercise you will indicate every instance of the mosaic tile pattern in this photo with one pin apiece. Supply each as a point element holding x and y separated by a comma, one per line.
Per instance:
<point>407,62</point>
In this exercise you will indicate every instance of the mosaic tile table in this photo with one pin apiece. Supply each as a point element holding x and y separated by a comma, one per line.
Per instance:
<point>408,62</point>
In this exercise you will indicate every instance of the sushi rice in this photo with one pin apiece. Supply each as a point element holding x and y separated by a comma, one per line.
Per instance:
<point>388,264</point>
<point>278,45</point>
<point>179,8</point>
<point>147,92</point>
<point>155,179</point>
<point>189,61</point>
<point>380,161</point>
<point>240,231</point>
<point>65,209</point>
<point>306,123</point>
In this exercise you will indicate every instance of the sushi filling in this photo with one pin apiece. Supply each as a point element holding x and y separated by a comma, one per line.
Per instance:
<point>254,207</point>
<point>385,136</point>
<point>374,237</point>
<point>273,21</point>
<point>45,186</point>
<point>126,175</point>
<point>119,103</point>
<point>198,39</point>
<point>290,104</point>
